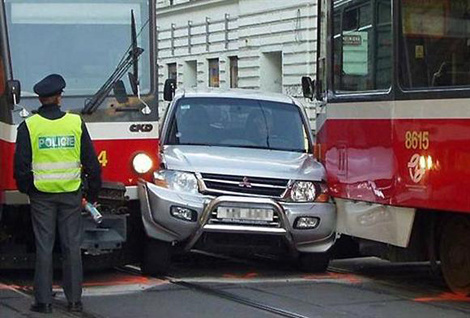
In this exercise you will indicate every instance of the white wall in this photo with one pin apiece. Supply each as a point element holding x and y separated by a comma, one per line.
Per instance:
<point>249,29</point>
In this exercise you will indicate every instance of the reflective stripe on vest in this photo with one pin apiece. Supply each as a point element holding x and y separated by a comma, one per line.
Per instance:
<point>55,165</point>
<point>55,146</point>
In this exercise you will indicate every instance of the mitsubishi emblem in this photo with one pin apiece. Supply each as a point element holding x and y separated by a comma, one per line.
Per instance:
<point>245,183</point>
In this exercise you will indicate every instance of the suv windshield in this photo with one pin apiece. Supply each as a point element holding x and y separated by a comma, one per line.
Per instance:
<point>83,40</point>
<point>230,122</point>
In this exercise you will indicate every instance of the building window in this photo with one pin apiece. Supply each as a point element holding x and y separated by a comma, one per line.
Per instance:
<point>234,71</point>
<point>172,74</point>
<point>213,72</point>
<point>190,74</point>
<point>271,76</point>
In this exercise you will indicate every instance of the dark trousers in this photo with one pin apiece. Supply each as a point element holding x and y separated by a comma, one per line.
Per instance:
<point>48,212</point>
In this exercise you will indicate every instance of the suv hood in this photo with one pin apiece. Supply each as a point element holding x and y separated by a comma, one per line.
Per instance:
<point>243,161</point>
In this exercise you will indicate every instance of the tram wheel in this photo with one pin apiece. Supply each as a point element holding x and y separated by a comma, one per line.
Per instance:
<point>313,262</point>
<point>455,254</point>
<point>157,257</point>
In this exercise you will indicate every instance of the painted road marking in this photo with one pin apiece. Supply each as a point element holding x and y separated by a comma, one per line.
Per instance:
<point>448,296</point>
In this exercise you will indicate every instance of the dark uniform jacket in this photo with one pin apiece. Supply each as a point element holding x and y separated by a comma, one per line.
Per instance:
<point>23,157</point>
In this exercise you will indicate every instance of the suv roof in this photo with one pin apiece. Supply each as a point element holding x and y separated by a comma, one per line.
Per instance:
<point>234,93</point>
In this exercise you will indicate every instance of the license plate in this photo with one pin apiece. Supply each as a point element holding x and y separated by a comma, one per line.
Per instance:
<point>256,214</point>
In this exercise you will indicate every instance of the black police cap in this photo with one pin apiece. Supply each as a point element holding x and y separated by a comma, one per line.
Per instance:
<point>50,85</point>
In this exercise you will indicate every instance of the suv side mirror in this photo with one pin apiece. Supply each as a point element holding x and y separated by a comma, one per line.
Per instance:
<point>169,89</point>
<point>311,89</point>
<point>13,91</point>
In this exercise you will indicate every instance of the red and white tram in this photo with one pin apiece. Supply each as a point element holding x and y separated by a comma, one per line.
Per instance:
<point>393,130</point>
<point>93,44</point>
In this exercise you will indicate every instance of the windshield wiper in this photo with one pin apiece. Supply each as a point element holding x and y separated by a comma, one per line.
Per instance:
<point>131,59</point>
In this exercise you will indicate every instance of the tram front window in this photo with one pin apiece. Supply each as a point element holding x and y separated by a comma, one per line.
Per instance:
<point>435,37</point>
<point>83,40</point>
<point>362,45</point>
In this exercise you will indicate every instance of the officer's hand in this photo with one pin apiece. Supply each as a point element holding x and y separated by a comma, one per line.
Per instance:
<point>94,203</point>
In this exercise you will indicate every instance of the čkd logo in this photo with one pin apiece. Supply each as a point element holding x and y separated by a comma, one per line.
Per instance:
<point>141,128</point>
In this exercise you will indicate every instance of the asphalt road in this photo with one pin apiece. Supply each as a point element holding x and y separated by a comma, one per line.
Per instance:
<point>203,286</point>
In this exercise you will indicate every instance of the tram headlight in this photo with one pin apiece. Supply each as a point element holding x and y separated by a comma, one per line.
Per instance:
<point>176,180</point>
<point>308,191</point>
<point>142,163</point>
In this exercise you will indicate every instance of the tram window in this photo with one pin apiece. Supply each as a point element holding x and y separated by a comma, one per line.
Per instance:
<point>362,45</point>
<point>2,77</point>
<point>81,39</point>
<point>435,44</point>
<point>350,20</point>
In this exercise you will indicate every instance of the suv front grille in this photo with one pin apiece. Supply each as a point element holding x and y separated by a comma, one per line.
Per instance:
<point>226,184</point>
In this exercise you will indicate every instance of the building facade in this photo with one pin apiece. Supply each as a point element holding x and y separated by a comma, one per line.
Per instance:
<point>255,44</point>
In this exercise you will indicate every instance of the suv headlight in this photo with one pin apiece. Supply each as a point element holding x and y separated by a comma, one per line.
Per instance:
<point>176,180</point>
<point>308,191</point>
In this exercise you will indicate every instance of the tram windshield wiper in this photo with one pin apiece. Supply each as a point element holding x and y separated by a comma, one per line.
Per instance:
<point>131,58</point>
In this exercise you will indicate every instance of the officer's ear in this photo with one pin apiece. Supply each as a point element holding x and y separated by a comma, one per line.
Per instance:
<point>58,99</point>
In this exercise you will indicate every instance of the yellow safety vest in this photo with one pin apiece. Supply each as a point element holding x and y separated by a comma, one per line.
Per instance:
<point>55,146</point>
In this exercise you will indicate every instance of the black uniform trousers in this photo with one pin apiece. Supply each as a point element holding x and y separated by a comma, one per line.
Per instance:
<point>48,212</point>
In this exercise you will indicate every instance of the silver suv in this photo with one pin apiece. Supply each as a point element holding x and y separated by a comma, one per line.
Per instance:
<point>237,175</point>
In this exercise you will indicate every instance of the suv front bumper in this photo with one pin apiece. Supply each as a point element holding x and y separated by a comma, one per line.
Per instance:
<point>156,203</point>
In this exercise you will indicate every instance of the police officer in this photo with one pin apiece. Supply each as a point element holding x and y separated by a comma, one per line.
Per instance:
<point>53,153</point>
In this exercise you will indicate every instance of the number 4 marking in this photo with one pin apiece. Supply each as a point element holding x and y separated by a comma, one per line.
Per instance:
<point>103,158</point>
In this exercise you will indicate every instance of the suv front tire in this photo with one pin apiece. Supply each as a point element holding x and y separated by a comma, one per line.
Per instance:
<point>157,257</point>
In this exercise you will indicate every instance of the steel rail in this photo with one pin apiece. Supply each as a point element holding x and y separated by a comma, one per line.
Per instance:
<point>238,299</point>
<point>278,311</point>
<point>220,294</point>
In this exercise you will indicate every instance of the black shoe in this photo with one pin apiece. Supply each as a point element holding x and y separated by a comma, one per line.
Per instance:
<point>41,307</point>
<point>75,307</point>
